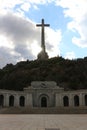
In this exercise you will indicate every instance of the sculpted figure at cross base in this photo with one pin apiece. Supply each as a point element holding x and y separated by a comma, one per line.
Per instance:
<point>42,55</point>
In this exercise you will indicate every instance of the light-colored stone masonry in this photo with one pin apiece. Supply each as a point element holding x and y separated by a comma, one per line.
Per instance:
<point>43,94</point>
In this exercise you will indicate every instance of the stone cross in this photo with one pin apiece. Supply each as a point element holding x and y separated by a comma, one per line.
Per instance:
<point>42,35</point>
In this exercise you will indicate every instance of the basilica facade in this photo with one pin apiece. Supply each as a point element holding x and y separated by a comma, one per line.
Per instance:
<point>43,94</point>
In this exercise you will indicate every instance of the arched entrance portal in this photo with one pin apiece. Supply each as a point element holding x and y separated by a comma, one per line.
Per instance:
<point>86,100</point>
<point>76,100</point>
<point>22,101</point>
<point>1,100</point>
<point>66,101</point>
<point>43,102</point>
<point>11,101</point>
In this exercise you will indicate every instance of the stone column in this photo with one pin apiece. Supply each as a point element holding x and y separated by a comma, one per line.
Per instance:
<point>80,99</point>
<point>28,100</point>
<point>16,100</point>
<point>6,100</point>
<point>71,100</point>
<point>50,100</point>
<point>59,101</point>
<point>83,99</point>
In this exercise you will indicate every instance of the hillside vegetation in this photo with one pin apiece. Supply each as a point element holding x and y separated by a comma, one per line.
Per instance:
<point>70,74</point>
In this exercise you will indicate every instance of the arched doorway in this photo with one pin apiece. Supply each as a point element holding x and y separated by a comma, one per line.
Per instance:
<point>76,100</point>
<point>85,100</point>
<point>11,101</point>
<point>1,100</point>
<point>66,101</point>
<point>22,101</point>
<point>43,102</point>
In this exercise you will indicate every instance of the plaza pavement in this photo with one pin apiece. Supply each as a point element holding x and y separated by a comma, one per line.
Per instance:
<point>43,122</point>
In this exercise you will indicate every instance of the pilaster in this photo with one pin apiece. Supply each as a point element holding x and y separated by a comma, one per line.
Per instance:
<point>16,101</point>
<point>28,100</point>
<point>6,100</point>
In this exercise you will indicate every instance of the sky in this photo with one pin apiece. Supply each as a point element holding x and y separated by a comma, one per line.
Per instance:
<point>20,39</point>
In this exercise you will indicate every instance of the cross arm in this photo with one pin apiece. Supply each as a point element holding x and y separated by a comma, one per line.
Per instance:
<point>38,25</point>
<point>45,25</point>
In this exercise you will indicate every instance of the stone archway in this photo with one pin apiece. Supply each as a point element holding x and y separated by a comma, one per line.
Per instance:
<point>43,102</point>
<point>85,100</point>
<point>11,101</point>
<point>65,101</point>
<point>22,101</point>
<point>1,100</point>
<point>76,100</point>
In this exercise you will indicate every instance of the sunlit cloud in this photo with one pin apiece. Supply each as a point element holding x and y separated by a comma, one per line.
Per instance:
<point>35,48</point>
<point>25,6</point>
<point>5,42</point>
<point>53,39</point>
<point>77,11</point>
<point>70,55</point>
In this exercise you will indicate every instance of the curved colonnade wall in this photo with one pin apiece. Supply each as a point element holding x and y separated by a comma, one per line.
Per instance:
<point>62,99</point>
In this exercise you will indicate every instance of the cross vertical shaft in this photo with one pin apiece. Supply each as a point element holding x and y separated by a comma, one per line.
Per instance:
<point>42,35</point>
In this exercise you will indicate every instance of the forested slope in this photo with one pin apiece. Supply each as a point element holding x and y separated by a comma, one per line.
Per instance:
<point>70,74</point>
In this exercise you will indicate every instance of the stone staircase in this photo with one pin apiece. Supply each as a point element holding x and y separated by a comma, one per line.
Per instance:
<point>59,110</point>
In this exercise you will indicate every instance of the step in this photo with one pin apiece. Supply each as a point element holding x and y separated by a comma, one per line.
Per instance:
<point>28,110</point>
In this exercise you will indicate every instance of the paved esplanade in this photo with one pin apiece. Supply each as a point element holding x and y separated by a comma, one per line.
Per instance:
<point>43,122</point>
<point>42,35</point>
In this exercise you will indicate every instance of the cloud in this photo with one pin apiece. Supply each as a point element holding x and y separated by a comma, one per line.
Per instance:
<point>53,39</point>
<point>77,11</point>
<point>16,28</point>
<point>16,36</point>
<point>70,55</point>
<point>6,56</point>
<point>24,5</point>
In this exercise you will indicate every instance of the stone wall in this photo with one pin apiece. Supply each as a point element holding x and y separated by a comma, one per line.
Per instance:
<point>33,99</point>
<point>15,98</point>
<point>73,98</point>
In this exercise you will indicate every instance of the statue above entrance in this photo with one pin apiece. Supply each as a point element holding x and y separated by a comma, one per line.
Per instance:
<point>43,54</point>
<point>44,85</point>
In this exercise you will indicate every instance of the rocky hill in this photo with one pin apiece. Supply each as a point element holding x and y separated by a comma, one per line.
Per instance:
<point>70,74</point>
